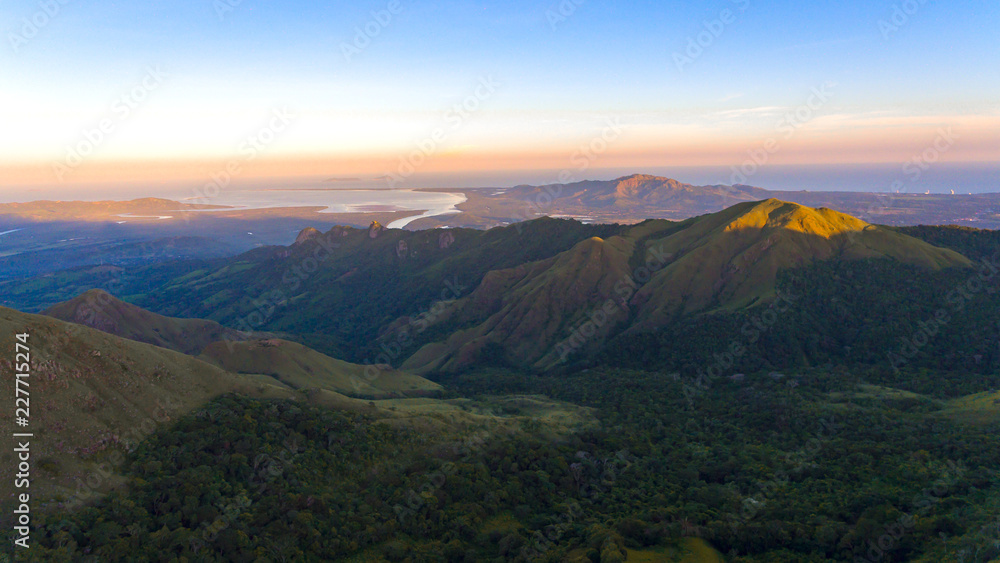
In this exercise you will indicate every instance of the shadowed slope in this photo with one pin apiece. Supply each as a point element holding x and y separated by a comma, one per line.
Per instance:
<point>93,393</point>
<point>530,305</point>
<point>300,367</point>
<point>538,313</point>
<point>98,309</point>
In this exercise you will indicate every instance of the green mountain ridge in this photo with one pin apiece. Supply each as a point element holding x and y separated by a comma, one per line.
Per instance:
<point>441,299</point>
<point>300,367</point>
<point>93,393</point>
<point>267,450</point>
<point>727,260</point>
<point>100,310</point>
<point>280,362</point>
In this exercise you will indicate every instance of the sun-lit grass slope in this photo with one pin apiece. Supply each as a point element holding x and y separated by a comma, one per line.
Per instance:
<point>731,259</point>
<point>92,393</point>
<point>641,279</point>
<point>300,367</point>
<point>98,309</point>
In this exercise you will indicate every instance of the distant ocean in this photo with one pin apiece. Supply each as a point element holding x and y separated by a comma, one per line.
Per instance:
<point>360,194</point>
<point>938,178</point>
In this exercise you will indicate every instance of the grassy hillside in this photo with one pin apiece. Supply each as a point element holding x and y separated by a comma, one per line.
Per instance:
<point>93,395</point>
<point>731,259</point>
<point>269,450</point>
<point>336,293</point>
<point>300,367</point>
<point>100,310</point>
<point>651,275</point>
<point>875,315</point>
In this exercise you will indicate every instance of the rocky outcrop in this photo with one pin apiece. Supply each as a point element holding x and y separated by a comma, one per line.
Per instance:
<point>307,233</point>
<point>446,239</point>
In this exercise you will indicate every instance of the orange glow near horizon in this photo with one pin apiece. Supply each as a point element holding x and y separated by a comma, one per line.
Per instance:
<point>830,139</point>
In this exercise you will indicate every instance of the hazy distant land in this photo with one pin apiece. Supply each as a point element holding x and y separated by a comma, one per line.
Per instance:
<point>45,236</point>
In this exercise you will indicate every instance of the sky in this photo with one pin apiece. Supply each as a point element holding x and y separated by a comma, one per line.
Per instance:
<point>106,91</point>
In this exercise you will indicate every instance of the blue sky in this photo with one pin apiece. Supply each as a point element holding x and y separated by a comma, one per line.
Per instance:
<point>559,81</point>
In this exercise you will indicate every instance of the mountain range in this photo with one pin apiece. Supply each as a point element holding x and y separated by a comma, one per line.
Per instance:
<point>114,374</point>
<point>437,299</point>
<point>653,273</point>
<point>633,198</point>
<point>380,393</point>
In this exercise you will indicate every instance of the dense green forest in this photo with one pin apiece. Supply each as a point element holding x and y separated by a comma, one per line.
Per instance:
<point>834,424</point>
<point>874,313</point>
<point>973,243</point>
<point>810,467</point>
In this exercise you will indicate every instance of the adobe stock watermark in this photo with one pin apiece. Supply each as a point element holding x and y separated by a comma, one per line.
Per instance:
<point>588,152</point>
<point>913,169</point>
<point>901,14</point>
<point>455,117</point>
<point>251,147</point>
<point>228,513</point>
<point>404,339</point>
<point>122,108</point>
<point>416,498</point>
<point>800,460</point>
<point>920,163</point>
<point>225,7</point>
<point>581,159</point>
<point>787,126</point>
<point>562,12</point>
<point>31,26</point>
<point>711,31</point>
<point>100,475</point>
<point>752,331</point>
<point>267,302</point>
<point>922,502</point>
<point>624,289</point>
<point>593,477</point>
<point>984,280</point>
<point>365,34</point>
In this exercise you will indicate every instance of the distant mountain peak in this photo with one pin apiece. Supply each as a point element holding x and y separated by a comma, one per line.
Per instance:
<point>631,193</point>
<point>645,178</point>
